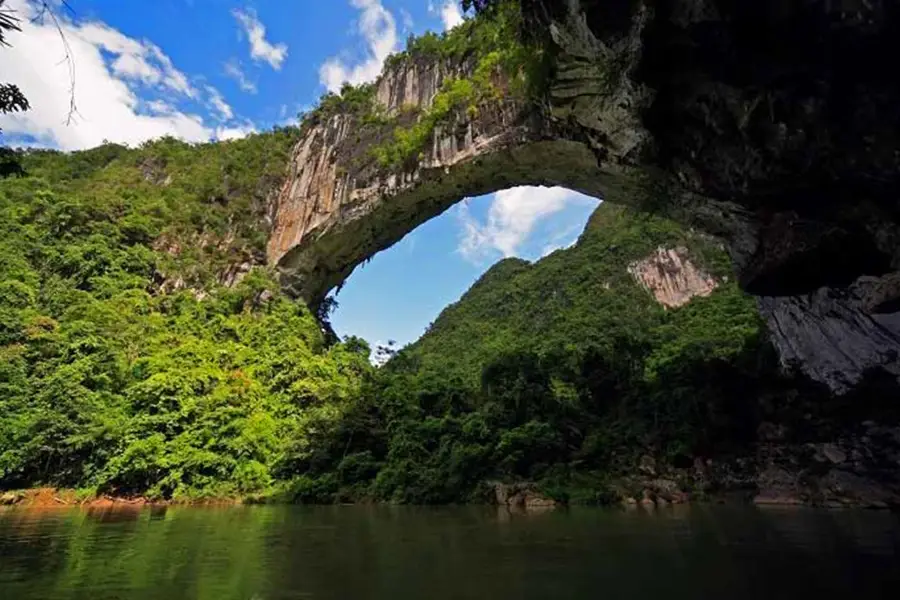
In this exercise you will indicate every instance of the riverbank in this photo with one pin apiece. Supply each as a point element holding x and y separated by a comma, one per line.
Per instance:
<point>636,492</point>
<point>48,497</point>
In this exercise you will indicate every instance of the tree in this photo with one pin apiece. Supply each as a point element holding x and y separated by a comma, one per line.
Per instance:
<point>11,97</point>
<point>8,22</point>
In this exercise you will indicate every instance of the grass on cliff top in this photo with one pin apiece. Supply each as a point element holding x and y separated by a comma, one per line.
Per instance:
<point>488,46</point>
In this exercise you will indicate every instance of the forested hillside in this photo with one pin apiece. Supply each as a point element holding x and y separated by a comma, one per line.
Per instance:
<point>141,350</point>
<point>565,373</point>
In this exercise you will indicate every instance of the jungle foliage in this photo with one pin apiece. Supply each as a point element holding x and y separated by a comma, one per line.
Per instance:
<point>125,365</point>
<point>145,350</point>
<point>562,372</point>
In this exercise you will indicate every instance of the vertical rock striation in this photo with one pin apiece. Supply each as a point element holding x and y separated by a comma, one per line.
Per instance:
<point>837,336</point>
<point>671,277</point>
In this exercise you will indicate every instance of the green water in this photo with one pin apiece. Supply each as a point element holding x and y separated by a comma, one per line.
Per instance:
<point>267,553</point>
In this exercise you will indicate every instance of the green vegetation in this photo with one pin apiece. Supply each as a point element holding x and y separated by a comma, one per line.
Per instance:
<point>353,100</point>
<point>145,350</point>
<point>564,372</point>
<point>127,367</point>
<point>491,64</point>
<point>408,142</point>
<point>487,46</point>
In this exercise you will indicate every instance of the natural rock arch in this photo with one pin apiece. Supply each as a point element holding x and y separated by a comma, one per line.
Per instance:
<point>676,109</point>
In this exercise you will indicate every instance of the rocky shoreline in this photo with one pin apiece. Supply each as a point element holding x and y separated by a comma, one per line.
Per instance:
<point>853,468</point>
<point>44,498</point>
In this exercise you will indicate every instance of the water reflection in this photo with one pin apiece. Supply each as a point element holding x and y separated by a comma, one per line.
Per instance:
<point>477,552</point>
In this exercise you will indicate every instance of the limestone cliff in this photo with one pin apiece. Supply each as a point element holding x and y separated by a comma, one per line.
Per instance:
<point>770,124</point>
<point>811,331</point>
<point>339,206</point>
<point>671,277</point>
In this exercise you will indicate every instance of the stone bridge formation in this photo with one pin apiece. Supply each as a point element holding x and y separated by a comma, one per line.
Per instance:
<point>668,106</point>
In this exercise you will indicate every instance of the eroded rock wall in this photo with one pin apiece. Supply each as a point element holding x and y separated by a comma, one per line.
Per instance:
<point>339,205</point>
<point>838,336</point>
<point>671,277</point>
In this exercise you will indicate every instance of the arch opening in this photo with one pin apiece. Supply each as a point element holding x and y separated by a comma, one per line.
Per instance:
<point>396,294</point>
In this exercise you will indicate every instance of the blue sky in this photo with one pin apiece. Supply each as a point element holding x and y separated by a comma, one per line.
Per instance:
<point>218,69</point>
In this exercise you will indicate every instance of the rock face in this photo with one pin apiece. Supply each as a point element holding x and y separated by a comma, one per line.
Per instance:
<point>339,206</point>
<point>770,124</point>
<point>836,335</point>
<point>521,496</point>
<point>857,469</point>
<point>671,277</point>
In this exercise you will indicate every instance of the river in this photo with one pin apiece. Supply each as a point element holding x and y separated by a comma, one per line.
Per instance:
<point>398,553</point>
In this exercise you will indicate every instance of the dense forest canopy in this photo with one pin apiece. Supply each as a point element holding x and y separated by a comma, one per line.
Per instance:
<point>127,363</point>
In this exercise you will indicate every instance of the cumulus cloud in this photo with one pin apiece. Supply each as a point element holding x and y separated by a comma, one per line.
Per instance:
<point>235,132</point>
<point>450,14</point>
<point>126,89</point>
<point>378,28</point>
<point>233,69</point>
<point>137,60</point>
<point>511,218</point>
<point>449,11</point>
<point>260,48</point>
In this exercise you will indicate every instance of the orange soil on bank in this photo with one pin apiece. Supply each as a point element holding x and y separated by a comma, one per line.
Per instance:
<point>54,498</point>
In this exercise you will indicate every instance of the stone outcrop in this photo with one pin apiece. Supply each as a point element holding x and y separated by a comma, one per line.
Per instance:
<point>809,466</point>
<point>770,124</point>
<point>857,469</point>
<point>521,496</point>
<point>837,335</point>
<point>671,277</point>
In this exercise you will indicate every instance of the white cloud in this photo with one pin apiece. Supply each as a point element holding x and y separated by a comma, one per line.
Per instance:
<point>562,238</point>
<point>126,90</point>
<point>379,30</point>
<point>235,132</point>
<point>218,103</point>
<point>450,14</point>
<point>511,218</point>
<point>260,48</point>
<point>407,19</point>
<point>233,69</point>
<point>160,107</point>
<point>137,60</point>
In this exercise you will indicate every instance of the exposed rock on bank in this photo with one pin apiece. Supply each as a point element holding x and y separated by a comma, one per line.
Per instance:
<point>858,469</point>
<point>61,497</point>
<point>521,496</point>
